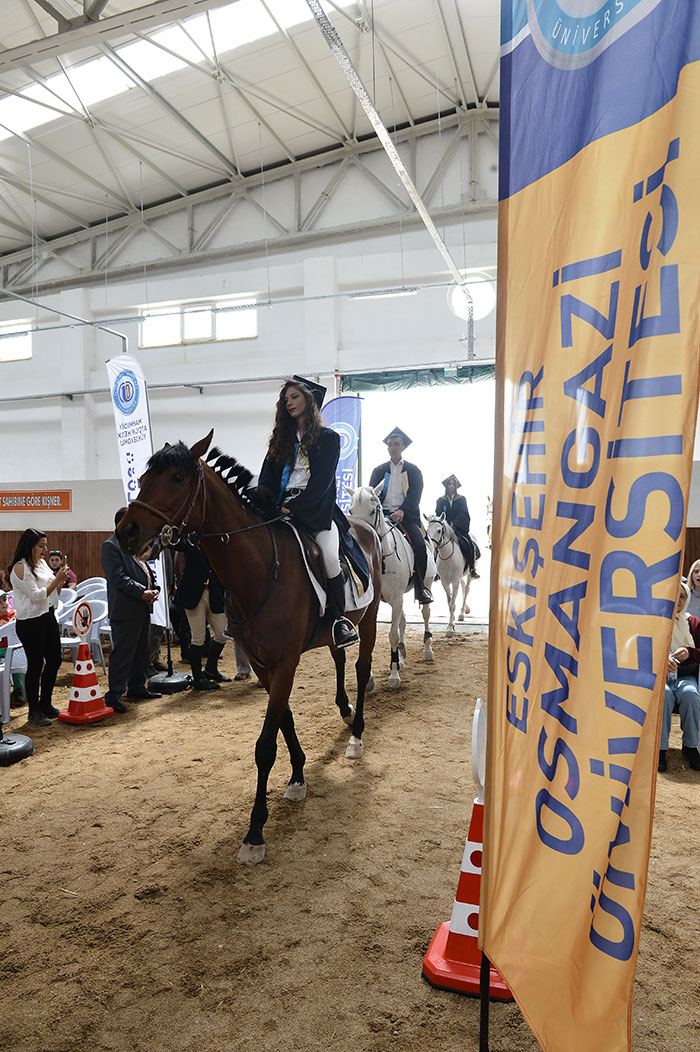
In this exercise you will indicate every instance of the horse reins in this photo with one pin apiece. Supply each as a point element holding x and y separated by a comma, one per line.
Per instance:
<point>442,542</point>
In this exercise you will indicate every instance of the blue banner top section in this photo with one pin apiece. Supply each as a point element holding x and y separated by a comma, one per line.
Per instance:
<point>567,81</point>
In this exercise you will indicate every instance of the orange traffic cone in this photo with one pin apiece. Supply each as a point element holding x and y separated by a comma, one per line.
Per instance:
<point>453,960</point>
<point>86,704</point>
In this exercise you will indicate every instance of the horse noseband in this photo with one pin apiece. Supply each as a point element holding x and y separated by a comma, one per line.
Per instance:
<point>166,535</point>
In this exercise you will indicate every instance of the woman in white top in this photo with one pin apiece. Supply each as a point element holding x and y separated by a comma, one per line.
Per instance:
<point>693,607</point>
<point>35,592</point>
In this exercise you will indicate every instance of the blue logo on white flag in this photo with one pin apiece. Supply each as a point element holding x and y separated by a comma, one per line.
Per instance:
<point>126,392</point>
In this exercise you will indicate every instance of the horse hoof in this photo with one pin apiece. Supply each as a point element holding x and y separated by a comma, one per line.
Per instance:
<point>250,854</point>
<point>295,791</point>
<point>370,684</point>
<point>449,633</point>
<point>355,749</point>
<point>393,683</point>
<point>350,718</point>
<point>461,617</point>
<point>427,655</point>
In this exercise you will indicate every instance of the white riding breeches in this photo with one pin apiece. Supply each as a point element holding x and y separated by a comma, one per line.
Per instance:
<point>328,541</point>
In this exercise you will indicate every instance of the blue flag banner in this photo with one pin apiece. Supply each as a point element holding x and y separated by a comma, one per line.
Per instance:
<point>344,415</point>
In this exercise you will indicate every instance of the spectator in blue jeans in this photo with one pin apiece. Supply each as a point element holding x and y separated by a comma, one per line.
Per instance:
<point>681,692</point>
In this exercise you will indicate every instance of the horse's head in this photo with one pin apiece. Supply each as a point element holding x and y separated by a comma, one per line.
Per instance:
<point>435,529</point>
<point>169,489</point>
<point>365,503</point>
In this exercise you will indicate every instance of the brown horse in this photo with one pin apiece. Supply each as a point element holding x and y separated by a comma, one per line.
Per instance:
<point>274,611</point>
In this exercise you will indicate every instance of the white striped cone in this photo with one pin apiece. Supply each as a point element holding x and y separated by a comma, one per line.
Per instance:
<point>86,703</point>
<point>453,960</point>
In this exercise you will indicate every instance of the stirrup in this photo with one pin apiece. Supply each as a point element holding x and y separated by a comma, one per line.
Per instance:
<point>346,631</point>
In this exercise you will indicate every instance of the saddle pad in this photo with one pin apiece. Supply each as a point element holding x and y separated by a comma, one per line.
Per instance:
<point>353,599</point>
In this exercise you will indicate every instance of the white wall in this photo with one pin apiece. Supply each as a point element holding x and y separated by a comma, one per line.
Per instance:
<point>59,440</point>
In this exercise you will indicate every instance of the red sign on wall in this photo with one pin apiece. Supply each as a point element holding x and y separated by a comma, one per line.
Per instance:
<point>36,500</point>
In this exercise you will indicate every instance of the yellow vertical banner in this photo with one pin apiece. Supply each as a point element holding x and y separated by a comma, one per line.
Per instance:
<point>597,384</point>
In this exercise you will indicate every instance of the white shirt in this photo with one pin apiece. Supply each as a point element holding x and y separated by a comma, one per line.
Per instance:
<point>299,478</point>
<point>29,595</point>
<point>395,495</point>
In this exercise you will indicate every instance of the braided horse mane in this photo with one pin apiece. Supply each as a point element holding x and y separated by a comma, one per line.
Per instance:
<point>236,476</point>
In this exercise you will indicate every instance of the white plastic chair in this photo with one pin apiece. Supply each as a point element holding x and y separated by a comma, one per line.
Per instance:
<point>99,614</point>
<point>88,582</point>
<point>15,660</point>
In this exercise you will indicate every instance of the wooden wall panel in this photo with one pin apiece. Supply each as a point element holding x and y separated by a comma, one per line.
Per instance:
<point>82,549</point>
<point>692,548</point>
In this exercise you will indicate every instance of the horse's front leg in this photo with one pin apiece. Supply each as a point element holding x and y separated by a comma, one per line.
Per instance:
<point>280,684</point>
<point>347,711</point>
<point>363,668</point>
<point>296,788</point>
<point>452,596</point>
<point>427,634</point>
<point>466,581</point>
<point>394,680</point>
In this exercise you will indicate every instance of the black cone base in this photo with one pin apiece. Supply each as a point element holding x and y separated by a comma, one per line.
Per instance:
<point>170,684</point>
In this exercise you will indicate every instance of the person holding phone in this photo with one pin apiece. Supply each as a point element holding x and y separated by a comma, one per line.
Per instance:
<point>56,560</point>
<point>35,594</point>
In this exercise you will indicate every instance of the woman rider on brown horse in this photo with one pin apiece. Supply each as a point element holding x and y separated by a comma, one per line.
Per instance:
<point>299,474</point>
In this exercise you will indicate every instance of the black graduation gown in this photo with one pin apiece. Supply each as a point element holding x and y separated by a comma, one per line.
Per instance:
<point>412,480</point>
<point>314,507</point>
<point>457,516</point>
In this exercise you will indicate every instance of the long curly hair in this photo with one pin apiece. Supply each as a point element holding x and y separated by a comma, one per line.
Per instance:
<point>284,433</point>
<point>24,548</point>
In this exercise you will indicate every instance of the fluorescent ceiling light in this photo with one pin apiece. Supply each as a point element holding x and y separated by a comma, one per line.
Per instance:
<point>382,294</point>
<point>91,82</point>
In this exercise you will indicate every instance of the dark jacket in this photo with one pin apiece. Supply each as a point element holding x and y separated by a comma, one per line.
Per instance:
<point>412,482</point>
<point>127,580</point>
<point>456,513</point>
<point>196,575</point>
<point>313,508</point>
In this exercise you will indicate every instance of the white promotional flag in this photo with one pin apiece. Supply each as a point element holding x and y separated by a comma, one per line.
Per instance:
<point>132,419</point>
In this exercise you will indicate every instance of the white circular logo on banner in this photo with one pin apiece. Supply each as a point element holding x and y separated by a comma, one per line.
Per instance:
<point>348,438</point>
<point>126,392</point>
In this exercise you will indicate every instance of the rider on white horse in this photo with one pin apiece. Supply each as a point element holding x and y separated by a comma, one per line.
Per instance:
<point>454,507</point>
<point>299,473</point>
<point>400,496</point>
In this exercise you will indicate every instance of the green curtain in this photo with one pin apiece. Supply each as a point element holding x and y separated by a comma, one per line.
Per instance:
<point>402,380</point>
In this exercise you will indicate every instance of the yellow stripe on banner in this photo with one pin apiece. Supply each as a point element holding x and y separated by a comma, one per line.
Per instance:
<point>597,381</point>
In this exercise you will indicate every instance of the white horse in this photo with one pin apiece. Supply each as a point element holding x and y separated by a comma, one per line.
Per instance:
<point>451,566</point>
<point>397,571</point>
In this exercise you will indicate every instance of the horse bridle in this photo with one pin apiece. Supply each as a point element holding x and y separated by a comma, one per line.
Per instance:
<point>171,533</point>
<point>440,544</point>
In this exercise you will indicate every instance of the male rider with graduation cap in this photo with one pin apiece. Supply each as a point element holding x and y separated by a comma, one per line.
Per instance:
<point>400,497</point>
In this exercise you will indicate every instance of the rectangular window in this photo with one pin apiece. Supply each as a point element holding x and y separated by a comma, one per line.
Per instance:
<point>198,323</point>
<point>15,342</point>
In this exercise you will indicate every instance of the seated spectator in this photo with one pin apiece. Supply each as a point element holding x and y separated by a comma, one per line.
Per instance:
<point>56,560</point>
<point>681,692</point>
<point>693,607</point>
<point>6,614</point>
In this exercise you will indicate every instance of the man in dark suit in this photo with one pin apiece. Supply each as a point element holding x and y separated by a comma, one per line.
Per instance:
<point>130,598</point>
<point>400,496</point>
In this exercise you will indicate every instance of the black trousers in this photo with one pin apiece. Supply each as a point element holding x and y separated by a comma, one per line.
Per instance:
<point>415,536</point>
<point>129,655</point>
<point>41,640</point>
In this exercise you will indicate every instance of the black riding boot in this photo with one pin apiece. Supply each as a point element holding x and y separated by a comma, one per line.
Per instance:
<point>200,680</point>
<point>344,634</point>
<point>423,594</point>
<point>210,669</point>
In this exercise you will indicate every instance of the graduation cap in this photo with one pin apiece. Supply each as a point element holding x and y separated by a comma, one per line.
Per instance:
<point>317,390</point>
<point>396,432</point>
<point>451,478</point>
